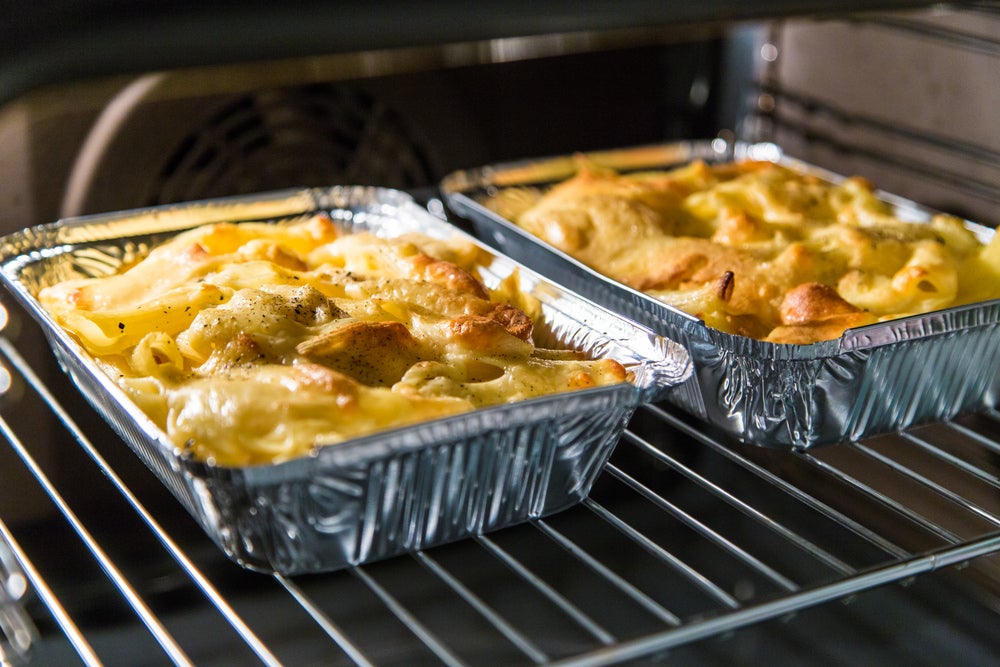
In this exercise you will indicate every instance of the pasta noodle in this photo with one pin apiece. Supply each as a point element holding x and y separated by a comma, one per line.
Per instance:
<point>252,343</point>
<point>757,249</point>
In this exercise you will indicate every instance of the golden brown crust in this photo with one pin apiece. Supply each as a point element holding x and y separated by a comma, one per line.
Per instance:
<point>813,302</point>
<point>513,320</point>
<point>448,274</point>
<point>732,243</point>
<point>814,312</point>
<point>254,343</point>
<point>373,353</point>
<point>483,332</point>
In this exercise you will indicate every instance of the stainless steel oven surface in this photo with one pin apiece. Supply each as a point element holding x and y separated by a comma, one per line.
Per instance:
<point>691,548</point>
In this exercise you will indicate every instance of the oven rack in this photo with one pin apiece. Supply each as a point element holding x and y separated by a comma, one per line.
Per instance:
<point>687,538</point>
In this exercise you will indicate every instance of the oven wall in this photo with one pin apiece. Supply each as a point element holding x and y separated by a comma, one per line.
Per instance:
<point>368,119</point>
<point>909,100</point>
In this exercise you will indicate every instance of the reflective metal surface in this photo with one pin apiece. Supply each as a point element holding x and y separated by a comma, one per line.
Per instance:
<point>384,494</point>
<point>871,380</point>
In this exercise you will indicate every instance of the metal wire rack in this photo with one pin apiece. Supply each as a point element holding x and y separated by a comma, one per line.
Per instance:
<point>687,537</point>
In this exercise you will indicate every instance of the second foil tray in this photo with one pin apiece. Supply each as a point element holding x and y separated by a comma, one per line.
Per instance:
<point>873,379</point>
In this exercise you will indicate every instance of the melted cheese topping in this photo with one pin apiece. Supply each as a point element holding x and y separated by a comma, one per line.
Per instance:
<point>252,343</point>
<point>757,249</point>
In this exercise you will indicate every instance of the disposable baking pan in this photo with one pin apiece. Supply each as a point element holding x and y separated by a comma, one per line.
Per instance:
<point>386,493</point>
<point>873,379</point>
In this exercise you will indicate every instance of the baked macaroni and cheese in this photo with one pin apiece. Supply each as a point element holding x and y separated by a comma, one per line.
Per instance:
<point>251,343</point>
<point>757,249</point>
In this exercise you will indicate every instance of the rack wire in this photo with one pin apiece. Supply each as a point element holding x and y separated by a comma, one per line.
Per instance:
<point>687,537</point>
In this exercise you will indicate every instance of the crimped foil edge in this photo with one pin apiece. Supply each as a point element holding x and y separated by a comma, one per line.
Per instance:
<point>786,396</point>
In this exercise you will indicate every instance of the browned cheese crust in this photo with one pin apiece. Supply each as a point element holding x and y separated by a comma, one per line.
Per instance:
<point>254,343</point>
<point>757,249</point>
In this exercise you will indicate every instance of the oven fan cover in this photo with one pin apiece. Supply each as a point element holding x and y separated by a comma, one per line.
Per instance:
<point>146,151</point>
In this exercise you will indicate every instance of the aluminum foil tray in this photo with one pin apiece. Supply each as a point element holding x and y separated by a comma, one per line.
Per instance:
<point>874,379</point>
<point>384,494</point>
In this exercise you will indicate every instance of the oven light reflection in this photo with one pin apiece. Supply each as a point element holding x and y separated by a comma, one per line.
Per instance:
<point>16,585</point>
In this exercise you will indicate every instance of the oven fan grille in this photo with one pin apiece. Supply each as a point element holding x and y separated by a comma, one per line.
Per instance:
<point>149,148</point>
<point>311,136</point>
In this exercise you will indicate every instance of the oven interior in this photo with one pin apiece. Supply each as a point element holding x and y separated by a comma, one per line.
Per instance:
<point>692,548</point>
